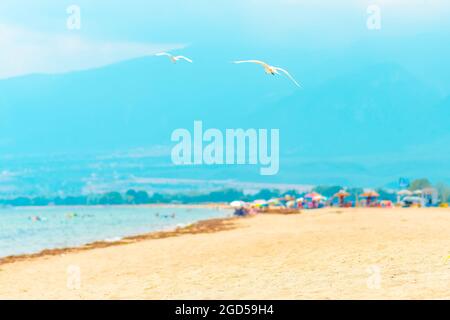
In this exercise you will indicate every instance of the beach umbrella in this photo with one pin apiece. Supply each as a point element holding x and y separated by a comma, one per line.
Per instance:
<point>312,195</point>
<point>404,192</point>
<point>418,192</point>
<point>319,197</point>
<point>237,204</point>
<point>370,194</point>
<point>342,194</point>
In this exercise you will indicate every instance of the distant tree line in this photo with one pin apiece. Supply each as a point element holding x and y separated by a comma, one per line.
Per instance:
<point>142,197</point>
<point>132,196</point>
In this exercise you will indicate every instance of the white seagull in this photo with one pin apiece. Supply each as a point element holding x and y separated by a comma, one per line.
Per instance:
<point>270,69</point>
<point>173,58</point>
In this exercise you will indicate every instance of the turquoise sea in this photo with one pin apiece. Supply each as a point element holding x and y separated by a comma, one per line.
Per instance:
<point>31,230</point>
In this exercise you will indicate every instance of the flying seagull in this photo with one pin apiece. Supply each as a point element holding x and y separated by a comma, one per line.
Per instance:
<point>173,58</point>
<point>270,69</point>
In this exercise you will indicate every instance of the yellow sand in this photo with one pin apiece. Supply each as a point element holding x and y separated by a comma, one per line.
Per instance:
<point>325,254</point>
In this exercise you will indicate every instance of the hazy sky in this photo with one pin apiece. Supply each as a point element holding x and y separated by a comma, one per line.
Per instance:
<point>362,76</point>
<point>34,36</point>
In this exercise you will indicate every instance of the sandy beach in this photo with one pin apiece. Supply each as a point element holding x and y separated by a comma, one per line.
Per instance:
<point>319,254</point>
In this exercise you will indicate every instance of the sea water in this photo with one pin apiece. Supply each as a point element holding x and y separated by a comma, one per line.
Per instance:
<point>61,227</point>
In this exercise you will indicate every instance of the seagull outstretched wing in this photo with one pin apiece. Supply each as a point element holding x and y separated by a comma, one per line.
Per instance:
<point>252,61</point>
<point>184,58</point>
<point>288,75</point>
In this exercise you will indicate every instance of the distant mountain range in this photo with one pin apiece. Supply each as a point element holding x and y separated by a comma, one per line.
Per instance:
<point>368,126</point>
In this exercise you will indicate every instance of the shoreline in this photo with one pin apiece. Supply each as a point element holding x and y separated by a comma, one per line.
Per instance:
<point>330,253</point>
<point>202,226</point>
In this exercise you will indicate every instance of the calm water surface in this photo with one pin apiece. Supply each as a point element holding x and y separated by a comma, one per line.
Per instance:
<point>59,227</point>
